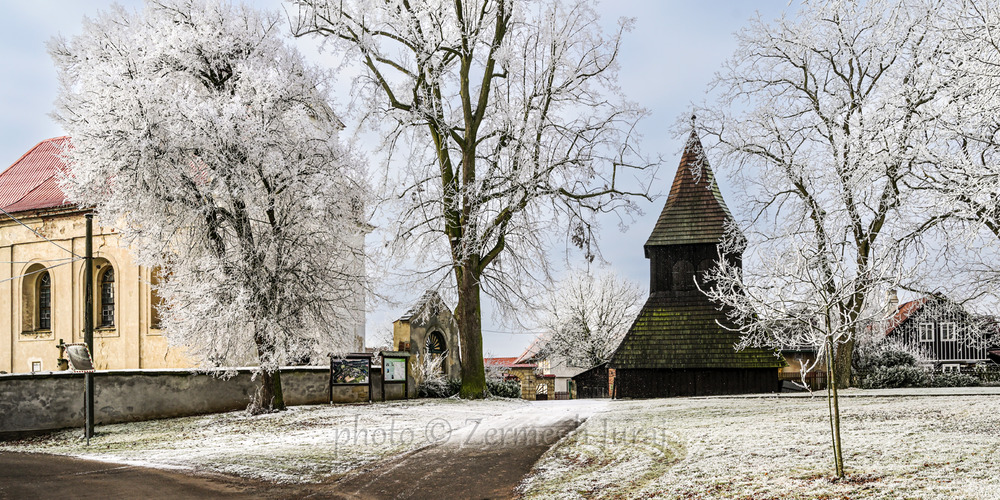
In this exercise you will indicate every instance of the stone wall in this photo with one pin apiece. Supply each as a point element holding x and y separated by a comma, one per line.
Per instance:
<point>531,379</point>
<point>55,400</point>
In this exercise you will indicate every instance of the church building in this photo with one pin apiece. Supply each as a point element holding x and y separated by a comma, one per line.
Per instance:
<point>42,238</point>
<point>676,347</point>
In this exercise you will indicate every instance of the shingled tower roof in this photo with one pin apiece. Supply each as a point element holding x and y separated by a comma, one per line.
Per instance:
<point>679,327</point>
<point>694,211</point>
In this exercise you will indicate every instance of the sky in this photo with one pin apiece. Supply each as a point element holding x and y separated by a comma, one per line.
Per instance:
<point>667,62</point>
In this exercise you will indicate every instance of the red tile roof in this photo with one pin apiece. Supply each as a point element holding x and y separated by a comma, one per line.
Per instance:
<point>531,353</point>
<point>499,361</point>
<point>507,363</point>
<point>30,183</point>
<point>903,313</point>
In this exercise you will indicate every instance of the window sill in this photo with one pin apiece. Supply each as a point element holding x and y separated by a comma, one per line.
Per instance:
<point>105,331</point>
<point>29,335</point>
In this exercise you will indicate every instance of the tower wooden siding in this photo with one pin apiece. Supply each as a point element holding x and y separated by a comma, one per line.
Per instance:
<point>676,346</point>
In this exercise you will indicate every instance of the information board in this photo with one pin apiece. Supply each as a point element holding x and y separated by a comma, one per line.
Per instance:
<point>350,371</point>
<point>395,369</point>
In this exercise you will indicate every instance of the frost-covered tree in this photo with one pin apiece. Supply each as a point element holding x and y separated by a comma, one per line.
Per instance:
<point>204,137</point>
<point>824,115</point>
<point>962,165</point>
<point>584,317</point>
<point>513,127</point>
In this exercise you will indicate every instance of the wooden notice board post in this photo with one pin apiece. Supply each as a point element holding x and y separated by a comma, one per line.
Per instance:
<point>80,361</point>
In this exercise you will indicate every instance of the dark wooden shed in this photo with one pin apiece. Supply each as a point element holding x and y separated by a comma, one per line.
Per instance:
<point>676,347</point>
<point>593,383</point>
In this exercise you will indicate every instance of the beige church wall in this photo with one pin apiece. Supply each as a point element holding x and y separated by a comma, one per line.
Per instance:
<point>6,291</point>
<point>130,344</point>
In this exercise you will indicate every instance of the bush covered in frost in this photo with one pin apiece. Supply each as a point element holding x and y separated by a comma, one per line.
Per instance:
<point>433,382</point>
<point>438,387</point>
<point>892,377</point>
<point>895,369</point>
<point>503,388</point>
<point>953,380</point>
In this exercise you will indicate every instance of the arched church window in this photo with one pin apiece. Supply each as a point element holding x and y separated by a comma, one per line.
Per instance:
<point>683,275</point>
<point>108,297</point>
<point>45,302</point>
<point>155,300</point>
<point>436,348</point>
<point>436,343</point>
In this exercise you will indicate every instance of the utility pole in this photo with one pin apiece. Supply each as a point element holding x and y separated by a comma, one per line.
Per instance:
<point>88,321</point>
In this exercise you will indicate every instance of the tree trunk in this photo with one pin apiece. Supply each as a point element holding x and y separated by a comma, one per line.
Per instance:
<point>833,403</point>
<point>470,328</point>
<point>843,355</point>
<point>269,396</point>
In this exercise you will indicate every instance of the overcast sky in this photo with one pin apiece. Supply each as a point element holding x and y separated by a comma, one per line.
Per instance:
<point>666,63</point>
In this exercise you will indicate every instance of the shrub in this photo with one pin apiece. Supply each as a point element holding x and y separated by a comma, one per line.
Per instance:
<point>953,380</point>
<point>890,359</point>
<point>434,384</point>
<point>503,388</point>
<point>438,388</point>
<point>893,377</point>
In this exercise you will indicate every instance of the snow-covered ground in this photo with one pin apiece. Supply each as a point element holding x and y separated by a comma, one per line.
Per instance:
<point>895,446</point>
<point>303,444</point>
<point>902,444</point>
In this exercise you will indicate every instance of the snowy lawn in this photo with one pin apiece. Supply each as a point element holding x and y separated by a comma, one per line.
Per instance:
<point>770,447</point>
<point>303,444</point>
<point>910,446</point>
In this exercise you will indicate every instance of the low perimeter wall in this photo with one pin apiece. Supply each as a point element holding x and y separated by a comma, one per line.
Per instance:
<point>55,400</point>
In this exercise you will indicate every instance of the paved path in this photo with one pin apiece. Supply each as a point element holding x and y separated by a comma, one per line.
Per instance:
<point>482,459</point>
<point>29,475</point>
<point>450,470</point>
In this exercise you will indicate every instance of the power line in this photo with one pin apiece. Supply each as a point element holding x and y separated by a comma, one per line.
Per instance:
<point>36,271</point>
<point>15,219</point>
<point>523,332</point>
<point>33,261</point>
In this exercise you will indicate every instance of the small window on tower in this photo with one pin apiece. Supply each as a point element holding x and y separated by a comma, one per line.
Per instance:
<point>683,275</point>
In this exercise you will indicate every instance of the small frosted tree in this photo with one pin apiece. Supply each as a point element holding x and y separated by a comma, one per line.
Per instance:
<point>584,317</point>
<point>204,137</point>
<point>791,296</point>
<point>513,130</point>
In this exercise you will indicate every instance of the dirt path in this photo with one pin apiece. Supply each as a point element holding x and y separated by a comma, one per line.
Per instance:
<point>461,468</point>
<point>30,475</point>
<point>475,459</point>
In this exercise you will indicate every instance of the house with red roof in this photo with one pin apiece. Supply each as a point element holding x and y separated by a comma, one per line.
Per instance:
<point>41,270</point>
<point>536,382</point>
<point>943,332</point>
